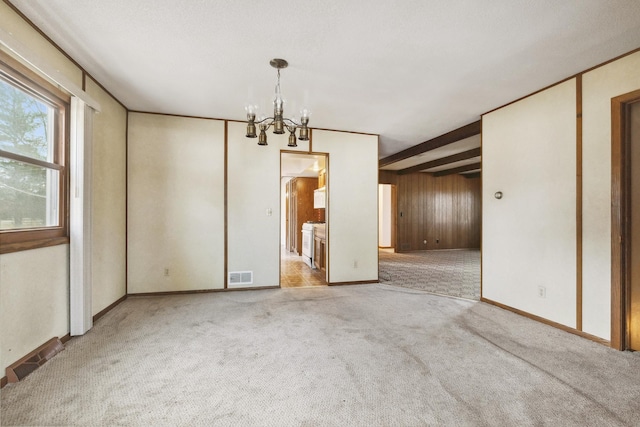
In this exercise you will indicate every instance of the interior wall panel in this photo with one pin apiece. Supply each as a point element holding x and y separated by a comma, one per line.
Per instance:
<point>34,300</point>
<point>352,206</point>
<point>529,236</point>
<point>598,87</point>
<point>109,209</point>
<point>176,203</point>
<point>444,211</point>
<point>254,204</point>
<point>34,284</point>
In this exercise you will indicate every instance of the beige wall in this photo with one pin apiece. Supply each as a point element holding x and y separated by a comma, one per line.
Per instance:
<point>109,212</point>
<point>254,188</point>
<point>34,284</point>
<point>599,86</point>
<point>34,300</point>
<point>352,211</point>
<point>176,203</point>
<point>535,137</point>
<point>529,236</point>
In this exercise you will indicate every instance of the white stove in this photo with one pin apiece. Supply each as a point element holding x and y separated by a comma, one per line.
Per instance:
<point>307,243</point>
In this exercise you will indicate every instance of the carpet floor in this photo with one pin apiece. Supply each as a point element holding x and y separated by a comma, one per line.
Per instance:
<point>453,273</point>
<point>367,355</point>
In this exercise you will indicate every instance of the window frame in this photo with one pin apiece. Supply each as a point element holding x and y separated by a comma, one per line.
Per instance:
<point>25,79</point>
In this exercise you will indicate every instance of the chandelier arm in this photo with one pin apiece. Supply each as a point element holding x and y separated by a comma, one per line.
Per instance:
<point>264,120</point>
<point>295,124</point>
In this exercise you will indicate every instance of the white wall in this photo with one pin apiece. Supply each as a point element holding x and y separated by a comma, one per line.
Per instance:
<point>529,236</point>
<point>253,188</point>
<point>34,300</point>
<point>176,203</point>
<point>352,208</point>
<point>599,86</point>
<point>109,187</point>
<point>384,215</point>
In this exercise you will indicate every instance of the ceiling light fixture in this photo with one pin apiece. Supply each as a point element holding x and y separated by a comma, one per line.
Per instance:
<point>278,120</point>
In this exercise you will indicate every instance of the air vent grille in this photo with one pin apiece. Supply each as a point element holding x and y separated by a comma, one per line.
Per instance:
<point>240,278</point>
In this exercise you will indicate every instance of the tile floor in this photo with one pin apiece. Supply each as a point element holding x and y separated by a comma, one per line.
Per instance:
<point>294,273</point>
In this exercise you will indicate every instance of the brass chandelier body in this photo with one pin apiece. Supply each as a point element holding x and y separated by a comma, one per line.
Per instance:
<point>278,120</point>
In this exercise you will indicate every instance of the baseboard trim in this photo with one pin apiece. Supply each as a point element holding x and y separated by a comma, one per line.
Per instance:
<point>199,291</point>
<point>3,382</point>
<point>362,282</point>
<point>548,322</point>
<point>65,338</point>
<point>108,308</point>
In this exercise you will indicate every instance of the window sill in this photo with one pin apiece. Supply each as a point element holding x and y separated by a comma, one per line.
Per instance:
<point>32,244</point>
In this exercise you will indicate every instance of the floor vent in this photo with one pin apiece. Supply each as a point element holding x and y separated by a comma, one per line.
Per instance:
<point>34,360</point>
<point>240,278</point>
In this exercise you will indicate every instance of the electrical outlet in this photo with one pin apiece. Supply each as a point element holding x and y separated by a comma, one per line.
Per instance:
<point>542,292</point>
<point>166,272</point>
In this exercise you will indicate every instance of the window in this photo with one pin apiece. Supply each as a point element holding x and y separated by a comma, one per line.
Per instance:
<point>33,160</point>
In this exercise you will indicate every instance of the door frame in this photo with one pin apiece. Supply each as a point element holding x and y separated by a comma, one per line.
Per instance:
<point>620,218</point>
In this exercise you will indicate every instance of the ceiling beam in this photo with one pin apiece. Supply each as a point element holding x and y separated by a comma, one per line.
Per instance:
<point>465,155</point>
<point>448,138</point>
<point>465,168</point>
<point>472,175</point>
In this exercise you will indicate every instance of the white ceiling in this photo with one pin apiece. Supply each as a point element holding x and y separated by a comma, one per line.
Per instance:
<point>406,70</point>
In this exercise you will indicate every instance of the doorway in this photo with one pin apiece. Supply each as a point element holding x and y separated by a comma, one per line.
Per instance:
<point>303,194</point>
<point>387,222</point>
<point>625,230</point>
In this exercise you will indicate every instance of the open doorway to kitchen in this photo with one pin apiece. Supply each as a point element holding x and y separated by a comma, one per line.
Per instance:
<point>303,222</point>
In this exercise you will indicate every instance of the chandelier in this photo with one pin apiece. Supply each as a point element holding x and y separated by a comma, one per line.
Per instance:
<point>278,120</point>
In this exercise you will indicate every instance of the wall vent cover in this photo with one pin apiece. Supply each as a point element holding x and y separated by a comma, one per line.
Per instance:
<point>239,278</point>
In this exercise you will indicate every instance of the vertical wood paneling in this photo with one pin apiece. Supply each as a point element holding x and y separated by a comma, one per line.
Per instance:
<point>444,211</point>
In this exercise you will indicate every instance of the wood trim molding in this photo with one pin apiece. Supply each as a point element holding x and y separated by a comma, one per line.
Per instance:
<point>184,116</point>
<point>455,135</point>
<point>199,291</point>
<point>360,282</point>
<point>226,205</point>
<point>579,203</point>
<point>3,382</point>
<point>126,203</point>
<point>33,244</point>
<point>619,219</point>
<point>465,155</point>
<point>108,308</point>
<point>465,168</point>
<point>546,322</point>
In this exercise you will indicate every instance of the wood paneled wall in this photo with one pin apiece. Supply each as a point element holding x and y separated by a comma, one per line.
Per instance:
<point>445,211</point>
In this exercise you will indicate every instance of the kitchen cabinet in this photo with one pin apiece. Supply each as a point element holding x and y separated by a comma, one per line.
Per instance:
<point>320,246</point>
<point>299,209</point>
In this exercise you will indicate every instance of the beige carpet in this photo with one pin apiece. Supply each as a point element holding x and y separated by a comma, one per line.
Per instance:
<point>369,355</point>
<point>453,273</point>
